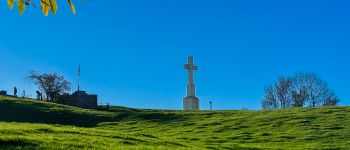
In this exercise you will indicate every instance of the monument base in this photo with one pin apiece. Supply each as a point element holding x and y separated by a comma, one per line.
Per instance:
<point>191,103</point>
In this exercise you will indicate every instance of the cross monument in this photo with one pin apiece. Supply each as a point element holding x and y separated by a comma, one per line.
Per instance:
<point>191,102</point>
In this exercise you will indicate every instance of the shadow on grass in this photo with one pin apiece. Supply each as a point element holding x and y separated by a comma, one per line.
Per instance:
<point>157,117</point>
<point>16,144</point>
<point>49,113</point>
<point>31,112</point>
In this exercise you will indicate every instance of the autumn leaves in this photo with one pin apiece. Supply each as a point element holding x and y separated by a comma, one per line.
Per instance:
<point>46,5</point>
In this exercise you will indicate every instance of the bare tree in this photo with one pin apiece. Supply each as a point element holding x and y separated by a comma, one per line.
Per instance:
<point>278,95</point>
<point>270,101</point>
<point>317,91</point>
<point>300,90</point>
<point>331,99</point>
<point>52,84</point>
<point>283,91</point>
<point>299,97</point>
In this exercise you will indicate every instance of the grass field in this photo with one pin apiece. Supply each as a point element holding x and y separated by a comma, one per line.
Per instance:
<point>39,125</point>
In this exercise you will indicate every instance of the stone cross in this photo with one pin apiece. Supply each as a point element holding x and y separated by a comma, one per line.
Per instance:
<point>190,85</point>
<point>191,102</point>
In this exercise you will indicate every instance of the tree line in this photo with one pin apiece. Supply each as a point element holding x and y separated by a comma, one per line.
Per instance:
<point>299,90</point>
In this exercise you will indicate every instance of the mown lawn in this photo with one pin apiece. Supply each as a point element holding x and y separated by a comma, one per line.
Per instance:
<point>39,125</point>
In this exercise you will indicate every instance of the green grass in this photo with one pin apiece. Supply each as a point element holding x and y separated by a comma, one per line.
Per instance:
<point>39,125</point>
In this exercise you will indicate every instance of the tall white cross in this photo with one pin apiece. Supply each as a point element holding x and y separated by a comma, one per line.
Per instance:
<point>191,92</point>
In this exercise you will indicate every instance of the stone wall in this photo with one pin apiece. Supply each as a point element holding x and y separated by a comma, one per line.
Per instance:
<point>79,99</point>
<point>84,100</point>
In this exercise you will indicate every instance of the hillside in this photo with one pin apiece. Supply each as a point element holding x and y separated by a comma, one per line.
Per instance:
<point>31,124</point>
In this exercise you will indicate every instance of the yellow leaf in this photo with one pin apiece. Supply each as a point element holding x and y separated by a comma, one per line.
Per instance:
<point>21,6</point>
<point>54,6</point>
<point>45,7</point>
<point>72,6</point>
<point>11,3</point>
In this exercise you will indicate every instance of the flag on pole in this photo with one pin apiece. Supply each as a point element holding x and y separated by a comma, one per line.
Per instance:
<point>79,72</point>
<point>79,78</point>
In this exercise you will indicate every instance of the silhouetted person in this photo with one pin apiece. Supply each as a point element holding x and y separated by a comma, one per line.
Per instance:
<point>107,107</point>
<point>39,96</point>
<point>15,91</point>
<point>24,94</point>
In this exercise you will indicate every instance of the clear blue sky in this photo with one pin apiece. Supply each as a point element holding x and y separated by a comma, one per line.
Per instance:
<point>132,52</point>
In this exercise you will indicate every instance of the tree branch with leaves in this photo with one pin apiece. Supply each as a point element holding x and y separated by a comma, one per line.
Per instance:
<point>46,5</point>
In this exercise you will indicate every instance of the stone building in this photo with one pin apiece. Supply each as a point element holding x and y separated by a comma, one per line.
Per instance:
<point>3,93</point>
<point>78,99</point>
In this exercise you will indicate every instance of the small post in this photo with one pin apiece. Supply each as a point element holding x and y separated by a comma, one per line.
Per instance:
<point>211,105</point>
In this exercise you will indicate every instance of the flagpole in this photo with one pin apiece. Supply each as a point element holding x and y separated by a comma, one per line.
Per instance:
<point>79,78</point>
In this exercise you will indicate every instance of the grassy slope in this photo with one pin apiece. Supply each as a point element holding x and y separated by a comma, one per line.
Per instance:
<point>32,124</point>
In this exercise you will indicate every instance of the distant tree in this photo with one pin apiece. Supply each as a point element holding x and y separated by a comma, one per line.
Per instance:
<point>331,99</point>
<point>270,100</point>
<point>283,91</point>
<point>317,92</point>
<point>299,97</point>
<point>52,84</point>
<point>278,95</point>
<point>300,90</point>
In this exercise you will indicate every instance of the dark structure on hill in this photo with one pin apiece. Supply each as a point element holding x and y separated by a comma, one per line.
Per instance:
<point>3,93</point>
<point>78,99</point>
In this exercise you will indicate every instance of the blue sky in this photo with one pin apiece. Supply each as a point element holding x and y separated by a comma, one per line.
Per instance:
<point>132,52</point>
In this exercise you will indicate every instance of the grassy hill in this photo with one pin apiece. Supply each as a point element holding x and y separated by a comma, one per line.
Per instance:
<point>38,125</point>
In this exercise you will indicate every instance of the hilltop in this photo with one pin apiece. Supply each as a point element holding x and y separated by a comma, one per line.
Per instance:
<point>32,124</point>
